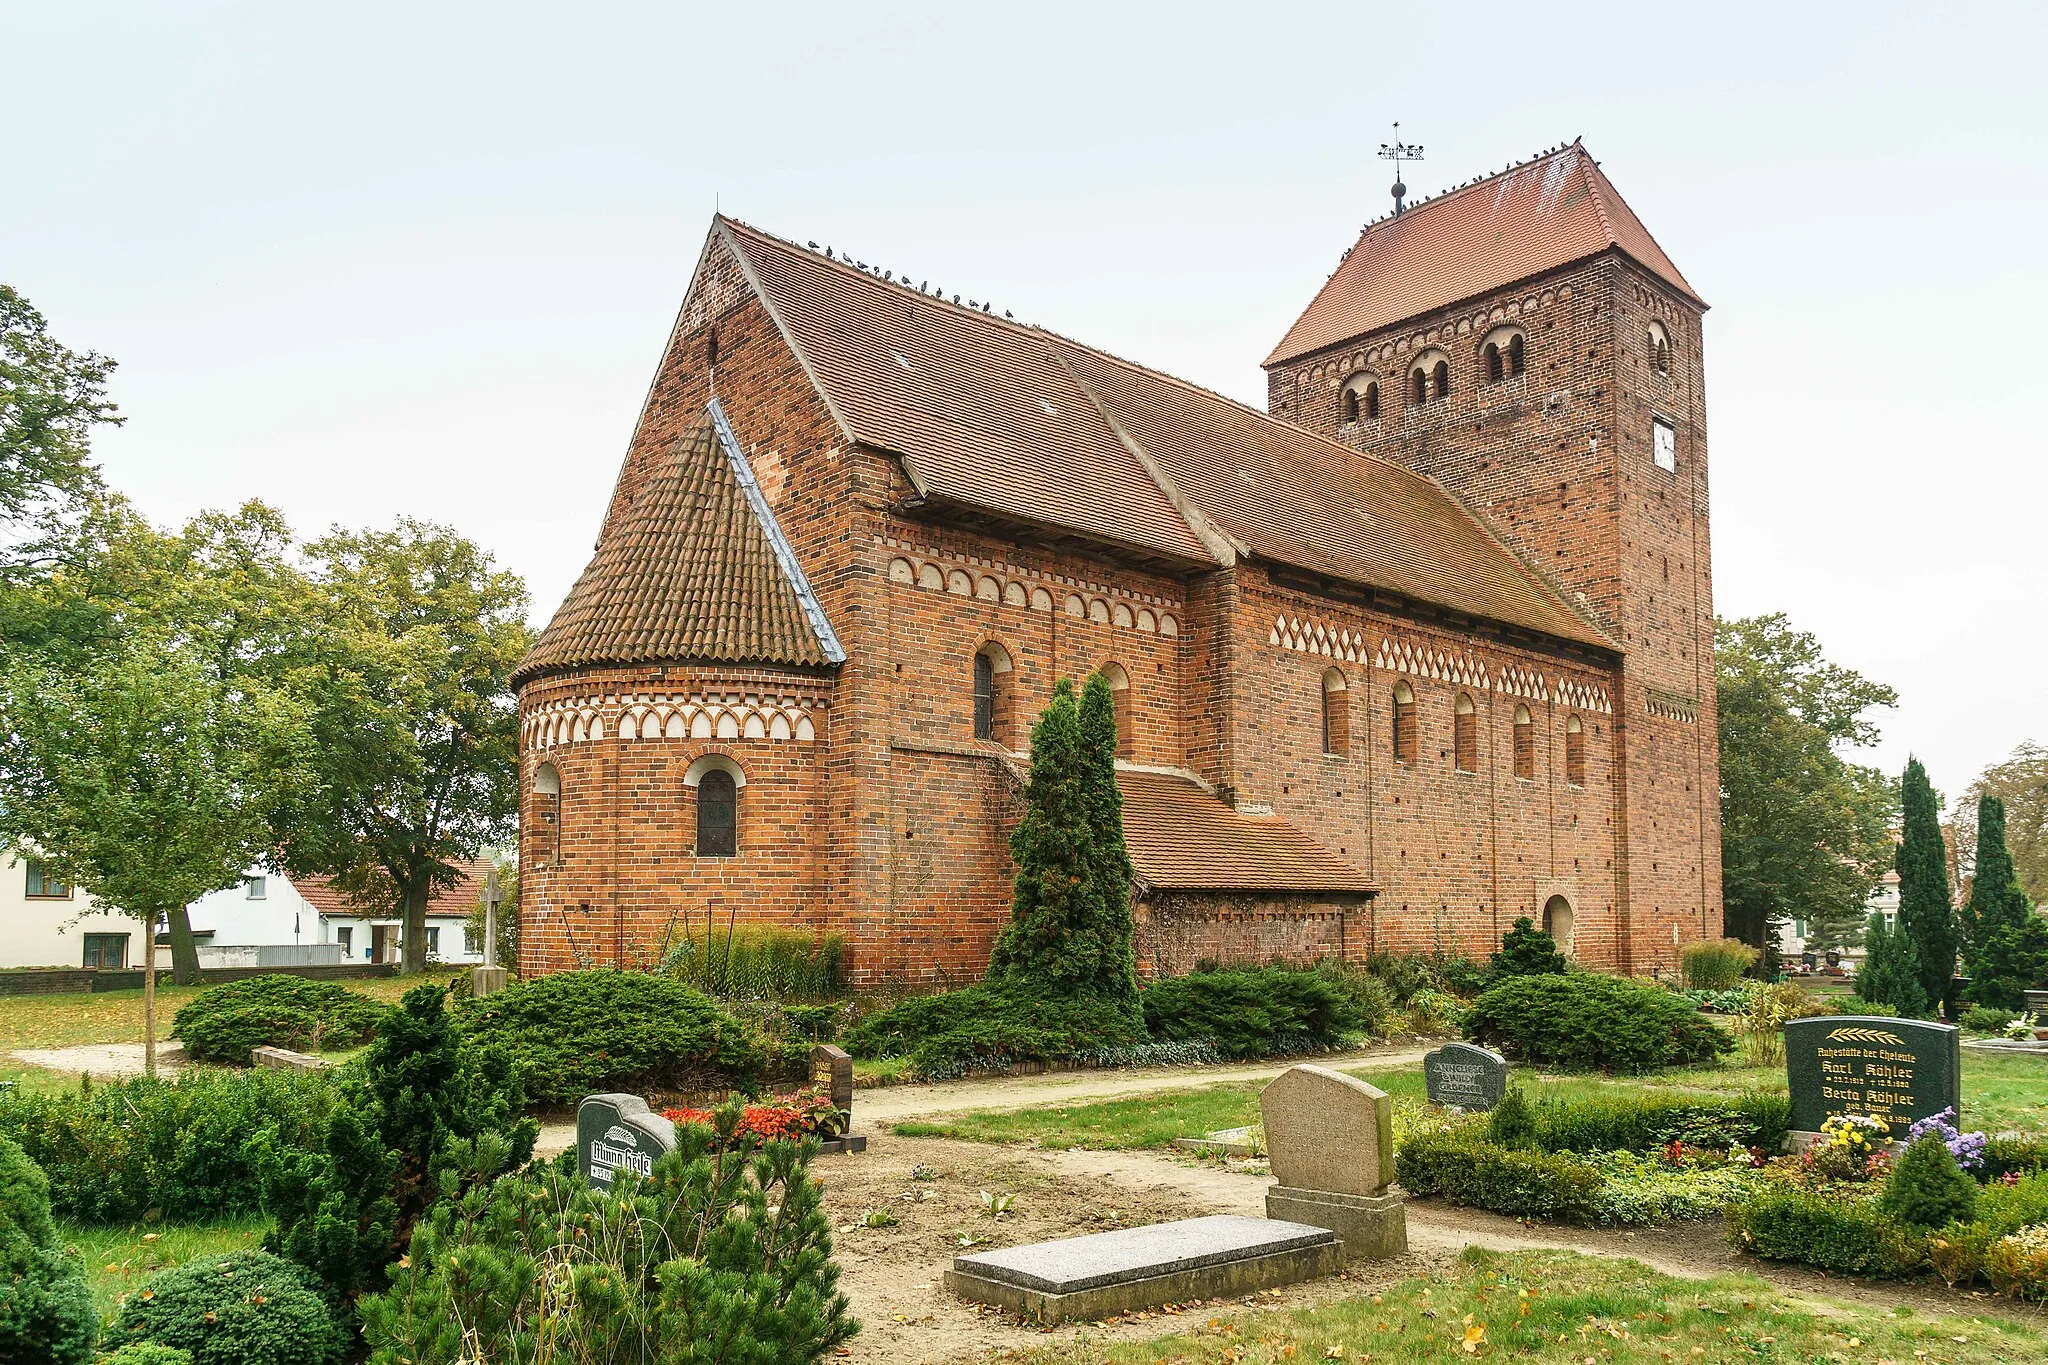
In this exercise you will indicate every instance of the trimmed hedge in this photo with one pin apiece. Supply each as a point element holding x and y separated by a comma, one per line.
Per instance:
<point>1826,1229</point>
<point>1464,1169</point>
<point>572,1034</point>
<point>2014,1156</point>
<point>224,1023</point>
<point>1586,1021</point>
<point>1641,1123</point>
<point>238,1308</point>
<point>1250,1012</point>
<point>987,1026</point>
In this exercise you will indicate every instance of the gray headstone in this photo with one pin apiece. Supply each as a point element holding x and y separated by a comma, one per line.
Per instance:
<point>832,1072</point>
<point>1076,1263</point>
<point>1898,1070</point>
<point>1467,1076</point>
<point>1328,1131</point>
<point>619,1133</point>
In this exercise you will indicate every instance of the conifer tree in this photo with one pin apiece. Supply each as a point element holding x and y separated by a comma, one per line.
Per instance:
<point>1890,974</point>
<point>1114,931</point>
<point>1927,916</point>
<point>1055,862</point>
<point>2007,942</point>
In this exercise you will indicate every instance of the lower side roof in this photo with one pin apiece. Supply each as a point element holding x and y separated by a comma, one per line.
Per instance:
<point>1185,838</point>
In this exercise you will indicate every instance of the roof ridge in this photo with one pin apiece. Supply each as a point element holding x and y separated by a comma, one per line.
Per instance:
<point>1459,191</point>
<point>1586,169</point>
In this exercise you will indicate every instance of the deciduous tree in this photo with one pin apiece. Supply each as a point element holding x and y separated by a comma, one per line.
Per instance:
<point>51,397</point>
<point>2021,782</point>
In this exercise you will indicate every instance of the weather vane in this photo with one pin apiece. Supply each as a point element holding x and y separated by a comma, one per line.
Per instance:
<point>1397,152</point>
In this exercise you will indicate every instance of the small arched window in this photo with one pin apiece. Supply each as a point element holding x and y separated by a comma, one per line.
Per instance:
<point>1574,751</point>
<point>1351,405</point>
<point>1361,401</point>
<point>1496,363</point>
<point>1418,387</point>
<point>1126,705</point>
<point>1660,348</point>
<point>718,815</point>
<point>1517,354</point>
<point>1336,714</point>
<point>1464,735</point>
<point>547,814</point>
<point>1404,724</point>
<point>1525,745</point>
<point>1503,354</point>
<point>991,709</point>
<point>1440,380</point>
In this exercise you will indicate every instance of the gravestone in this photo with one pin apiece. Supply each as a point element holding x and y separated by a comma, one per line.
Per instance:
<point>619,1133</point>
<point>1466,1076</point>
<point>1330,1138</point>
<point>1898,1070</point>
<point>832,1072</point>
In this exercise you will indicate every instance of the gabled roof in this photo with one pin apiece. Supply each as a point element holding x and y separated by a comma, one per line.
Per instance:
<point>1183,838</point>
<point>1546,213</point>
<point>1026,425</point>
<point>692,568</point>
<point>459,899</point>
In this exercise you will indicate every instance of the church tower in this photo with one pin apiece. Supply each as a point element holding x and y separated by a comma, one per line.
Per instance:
<point>1525,342</point>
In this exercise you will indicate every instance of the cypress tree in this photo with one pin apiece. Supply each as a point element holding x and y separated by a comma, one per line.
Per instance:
<point>1890,972</point>
<point>1114,931</point>
<point>1926,915</point>
<point>1055,855</point>
<point>2007,942</point>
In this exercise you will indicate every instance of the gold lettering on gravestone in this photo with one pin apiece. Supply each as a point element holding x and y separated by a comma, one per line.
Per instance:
<point>1864,1075</point>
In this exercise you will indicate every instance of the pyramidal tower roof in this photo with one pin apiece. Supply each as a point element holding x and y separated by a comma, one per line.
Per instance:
<point>1555,210</point>
<point>694,569</point>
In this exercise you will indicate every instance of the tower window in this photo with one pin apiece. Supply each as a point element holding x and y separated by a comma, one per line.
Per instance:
<point>1504,354</point>
<point>1664,444</point>
<point>718,812</point>
<point>1574,751</point>
<point>1464,735</point>
<point>1361,402</point>
<point>1496,364</point>
<point>1351,405</point>
<point>1525,745</point>
<point>1660,349</point>
<point>1517,354</point>
<point>547,814</point>
<point>1430,377</point>
<point>1336,714</point>
<point>1418,387</point>
<point>1126,705</point>
<point>1404,724</point>
<point>1440,380</point>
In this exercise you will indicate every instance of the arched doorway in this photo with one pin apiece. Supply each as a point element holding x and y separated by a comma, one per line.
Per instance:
<point>1557,922</point>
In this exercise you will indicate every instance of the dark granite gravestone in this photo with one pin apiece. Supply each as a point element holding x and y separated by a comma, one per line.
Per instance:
<point>1467,1076</point>
<point>619,1133</point>
<point>1898,1070</point>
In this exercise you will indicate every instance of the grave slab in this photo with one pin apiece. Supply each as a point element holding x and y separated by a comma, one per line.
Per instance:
<point>1104,1273</point>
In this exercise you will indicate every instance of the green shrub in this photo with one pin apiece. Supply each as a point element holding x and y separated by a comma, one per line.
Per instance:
<point>987,1026</point>
<point>1258,1012</point>
<point>223,1023</point>
<point>148,1353</point>
<point>1526,950</point>
<point>2014,1156</point>
<point>724,1254</point>
<point>1404,974</point>
<point>577,1033</point>
<point>46,1313</point>
<point>123,1148</point>
<point>238,1308</point>
<point>1956,1252</point>
<point>1513,1121</point>
<point>1641,1123</point>
<point>1433,1013</point>
<point>817,1023</point>
<point>1715,964</point>
<point>1461,975</point>
<point>1928,1189</point>
<point>1466,1169</point>
<point>1593,1022</point>
<point>1371,1000</point>
<point>2017,1263</point>
<point>1640,1191</point>
<point>1875,1009</point>
<point>1986,1019</point>
<point>2008,1208</point>
<point>1844,1235</point>
<point>760,962</point>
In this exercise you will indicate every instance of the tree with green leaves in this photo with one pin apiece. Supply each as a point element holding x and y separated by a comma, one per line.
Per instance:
<point>1926,915</point>
<point>51,397</point>
<point>2021,783</point>
<point>2006,943</point>
<point>1526,950</point>
<point>1890,974</point>
<point>1805,833</point>
<point>407,681</point>
<point>144,781</point>
<point>1115,928</point>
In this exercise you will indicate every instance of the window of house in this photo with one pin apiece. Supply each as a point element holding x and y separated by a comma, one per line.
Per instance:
<point>106,950</point>
<point>256,888</point>
<point>1404,724</point>
<point>718,811</point>
<point>1664,444</point>
<point>1351,405</point>
<point>470,939</point>
<point>433,940</point>
<point>346,937</point>
<point>44,884</point>
<point>1126,709</point>
<point>1525,745</point>
<point>547,814</point>
<point>1574,751</point>
<point>1464,735</point>
<point>1504,354</point>
<point>1361,399</point>
<point>1336,714</point>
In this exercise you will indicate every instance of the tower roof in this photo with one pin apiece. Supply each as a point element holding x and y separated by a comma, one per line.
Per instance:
<point>1550,212</point>
<point>692,568</point>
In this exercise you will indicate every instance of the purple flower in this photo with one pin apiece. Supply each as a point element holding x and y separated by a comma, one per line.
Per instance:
<point>1966,1148</point>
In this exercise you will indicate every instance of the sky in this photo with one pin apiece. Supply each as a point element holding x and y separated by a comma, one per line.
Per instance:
<point>370,260</point>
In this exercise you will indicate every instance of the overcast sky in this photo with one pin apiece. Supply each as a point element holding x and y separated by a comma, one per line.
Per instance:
<point>369,259</point>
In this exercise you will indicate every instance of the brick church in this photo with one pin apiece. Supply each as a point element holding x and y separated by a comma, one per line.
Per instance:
<point>1425,646</point>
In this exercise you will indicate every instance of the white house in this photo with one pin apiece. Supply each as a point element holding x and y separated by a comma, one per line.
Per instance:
<point>1884,900</point>
<point>366,936</point>
<point>44,923</point>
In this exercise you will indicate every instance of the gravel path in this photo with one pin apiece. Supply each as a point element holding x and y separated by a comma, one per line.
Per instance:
<point>103,1061</point>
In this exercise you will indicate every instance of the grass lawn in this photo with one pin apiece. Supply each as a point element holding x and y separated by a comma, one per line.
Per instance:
<point>116,1016</point>
<point>117,1259</point>
<point>2001,1092</point>
<point>1557,1308</point>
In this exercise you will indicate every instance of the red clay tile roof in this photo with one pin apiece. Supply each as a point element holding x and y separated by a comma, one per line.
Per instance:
<point>1182,838</point>
<point>687,571</point>
<point>1547,213</point>
<point>459,899</point>
<point>1020,422</point>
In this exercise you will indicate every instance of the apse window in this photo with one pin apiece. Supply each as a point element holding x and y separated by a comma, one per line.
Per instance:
<point>1664,444</point>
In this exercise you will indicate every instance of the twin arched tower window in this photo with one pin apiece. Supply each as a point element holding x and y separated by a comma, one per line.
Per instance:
<point>1430,379</point>
<point>1361,401</point>
<point>1660,348</point>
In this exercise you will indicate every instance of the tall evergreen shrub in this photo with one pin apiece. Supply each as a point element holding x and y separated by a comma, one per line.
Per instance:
<point>1926,914</point>
<point>1115,937</point>
<point>2007,948</point>
<point>1890,974</point>
<point>1526,950</point>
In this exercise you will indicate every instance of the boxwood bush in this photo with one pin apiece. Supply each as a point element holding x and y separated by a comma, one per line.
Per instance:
<point>1254,1012</point>
<point>1849,1236</point>
<point>224,1023</point>
<point>46,1312</point>
<point>237,1308</point>
<point>1586,1021</point>
<point>985,1026</point>
<point>576,1033</point>
<point>1641,1123</point>
<point>1464,1168</point>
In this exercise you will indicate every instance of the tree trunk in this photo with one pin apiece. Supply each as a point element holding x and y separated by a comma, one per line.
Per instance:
<point>149,997</point>
<point>412,904</point>
<point>184,952</point>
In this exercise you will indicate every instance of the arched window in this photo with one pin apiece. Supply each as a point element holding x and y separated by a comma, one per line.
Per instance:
<point>1126,705</point>
<point>991,692</point>
<point>1525,745</point>
<point>1557,922</point>
<point>1496,363</point>
<point>1361,399</point>
<point>718,815</point>
<point>1351,405</point>
<point>1440,380</point>
<point>1660,349</point>
<point>1404,724</point>
<point>1418,387</point>
<point>1372,402</point>
<point>547,814</point>
<point>1464,735</point>
<point>1574,752</point>
<point>1336,714</point>
<point>1517,354</point>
